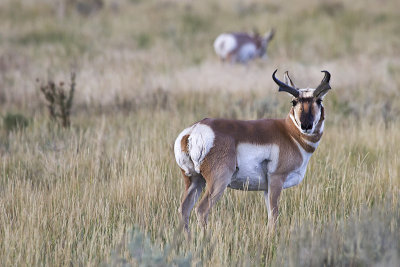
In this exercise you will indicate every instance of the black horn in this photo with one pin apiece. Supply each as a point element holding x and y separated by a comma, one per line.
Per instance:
<point>284,87</point>
<point>324,85</point>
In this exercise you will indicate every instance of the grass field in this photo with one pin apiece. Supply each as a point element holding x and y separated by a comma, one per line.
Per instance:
<point>146,70</point>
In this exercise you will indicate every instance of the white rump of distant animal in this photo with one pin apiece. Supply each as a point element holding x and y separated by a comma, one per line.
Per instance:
<point>241,47</point>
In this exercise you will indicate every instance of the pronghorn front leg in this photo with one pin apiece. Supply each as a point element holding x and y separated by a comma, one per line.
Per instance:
<point>275,185</point>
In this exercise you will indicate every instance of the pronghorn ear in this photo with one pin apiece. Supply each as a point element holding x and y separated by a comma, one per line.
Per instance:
<point>287,79</point>
<point>269,35</point>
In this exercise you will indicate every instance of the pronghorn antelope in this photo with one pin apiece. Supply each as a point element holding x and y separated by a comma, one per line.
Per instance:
<point>258,155</point>
<point>242,47</point>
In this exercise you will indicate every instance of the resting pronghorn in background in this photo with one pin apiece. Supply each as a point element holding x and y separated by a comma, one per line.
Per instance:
<point>258,155</point>
<point>242,47</point>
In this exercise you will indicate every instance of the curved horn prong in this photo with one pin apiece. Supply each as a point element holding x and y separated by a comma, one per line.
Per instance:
<point>287,80</point>
<point>284,87</point>
<point>324,86</point>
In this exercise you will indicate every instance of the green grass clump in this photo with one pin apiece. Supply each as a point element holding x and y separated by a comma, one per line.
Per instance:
<point>14,121</point>
<point>143,253</point>
<point>143,41</point>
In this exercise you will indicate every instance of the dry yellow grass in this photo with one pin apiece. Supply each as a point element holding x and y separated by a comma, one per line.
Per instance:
<point>145,70</point>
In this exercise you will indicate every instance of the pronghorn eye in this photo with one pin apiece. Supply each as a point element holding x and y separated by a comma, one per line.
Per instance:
<point>319,101</point>
<point>294,102</point>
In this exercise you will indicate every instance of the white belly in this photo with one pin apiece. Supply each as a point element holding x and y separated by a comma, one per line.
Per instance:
<point>247,51</point>
<point>254,162</point>
<point>294,178</point>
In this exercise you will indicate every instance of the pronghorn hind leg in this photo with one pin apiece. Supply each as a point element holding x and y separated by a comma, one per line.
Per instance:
<point>194,185</point>
<point>213,193</point>
<point>217,170</point>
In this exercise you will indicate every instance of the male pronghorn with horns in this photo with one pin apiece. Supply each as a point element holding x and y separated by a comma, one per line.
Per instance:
<point>258,155</point>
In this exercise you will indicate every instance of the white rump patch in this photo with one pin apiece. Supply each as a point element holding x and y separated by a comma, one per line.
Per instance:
<point>181,157</point>
<point>224,44</point>
<point>201,140</point>
<point>254,163</point>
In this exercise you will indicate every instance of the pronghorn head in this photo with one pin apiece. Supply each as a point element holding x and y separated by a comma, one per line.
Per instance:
<point>307,103</point>
<point>264,40</point>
